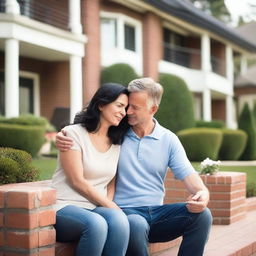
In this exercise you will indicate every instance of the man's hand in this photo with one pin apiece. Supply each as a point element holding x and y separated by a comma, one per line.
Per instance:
<point>63,143</point>
<point>197,203</point>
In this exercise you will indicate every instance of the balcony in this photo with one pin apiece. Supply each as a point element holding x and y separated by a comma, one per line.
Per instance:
<point>48,12</point>
<point>191,58</point>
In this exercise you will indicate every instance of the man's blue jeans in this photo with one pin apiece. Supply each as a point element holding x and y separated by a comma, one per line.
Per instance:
<point>165,223</point>
<point>102,231</point>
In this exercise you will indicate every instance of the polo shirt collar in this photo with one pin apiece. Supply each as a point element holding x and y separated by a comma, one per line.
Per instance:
<point>156,134</point>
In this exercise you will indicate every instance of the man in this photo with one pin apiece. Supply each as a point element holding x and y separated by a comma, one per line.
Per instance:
<point>146,153</point>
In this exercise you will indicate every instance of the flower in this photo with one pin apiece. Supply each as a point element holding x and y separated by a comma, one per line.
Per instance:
<point>209,166</point>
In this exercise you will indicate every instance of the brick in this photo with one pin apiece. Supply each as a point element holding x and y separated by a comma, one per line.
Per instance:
<point>1,238</point>
<point>47,251</point>
<point>48,197</point>
<point>25,240</point>
<point>2,193</point>
<point>1,219</point>
<point>47,217</point>
<point>21,220</point>
<point>47,237</point>
<point>21,199</point>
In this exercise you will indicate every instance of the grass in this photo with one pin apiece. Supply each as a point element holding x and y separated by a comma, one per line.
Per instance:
<point>46,166</point>
<point>249,170</point>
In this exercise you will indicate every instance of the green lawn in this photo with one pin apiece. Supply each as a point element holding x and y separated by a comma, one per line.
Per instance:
<point>46,166</point>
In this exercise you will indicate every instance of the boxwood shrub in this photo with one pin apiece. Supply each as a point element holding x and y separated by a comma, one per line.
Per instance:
<point>233,144</point>
<point>210,124</point>
<point>24,137</point>
<point>176,111</point>
<point>200,143</point>
<point>118,73</point>
<point>15,166</point>
<point>246,123</point>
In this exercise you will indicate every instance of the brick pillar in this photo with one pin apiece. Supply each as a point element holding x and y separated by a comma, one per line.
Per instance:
<point>92,61</point>
<point>152,45</point>
<point>26,220</point>
<point>227,195</point>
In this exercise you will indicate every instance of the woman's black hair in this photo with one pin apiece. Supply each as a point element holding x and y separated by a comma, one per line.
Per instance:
<point>89,117</point>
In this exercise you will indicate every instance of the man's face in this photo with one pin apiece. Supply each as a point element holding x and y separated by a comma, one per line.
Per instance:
<point>139,110</point>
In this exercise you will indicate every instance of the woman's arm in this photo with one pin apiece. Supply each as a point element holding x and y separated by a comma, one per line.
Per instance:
<point>111,188</point>
<point>72,164</point>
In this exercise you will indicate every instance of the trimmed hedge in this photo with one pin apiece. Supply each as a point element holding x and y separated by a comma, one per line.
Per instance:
<point>246,123</point>
<point>176,111</point>
<point>120,73</point>
<point>200,143</point>
<point>210,124</point>
<point>26,119</point>
<point>27,138</point>
<point>15,166</point>
<point>233,144</point>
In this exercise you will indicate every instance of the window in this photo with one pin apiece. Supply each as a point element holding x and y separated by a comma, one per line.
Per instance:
<point>108,33</point>
<point>129,37</point>
<point>121,32</point>
<point>26,95</point>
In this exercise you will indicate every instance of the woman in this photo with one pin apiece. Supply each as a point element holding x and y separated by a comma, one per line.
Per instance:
<point>85,177</point>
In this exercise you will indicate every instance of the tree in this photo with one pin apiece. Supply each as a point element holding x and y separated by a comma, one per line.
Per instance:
<point>216,8</point>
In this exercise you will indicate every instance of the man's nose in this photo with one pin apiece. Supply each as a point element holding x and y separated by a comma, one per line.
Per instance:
<point>129,111</point>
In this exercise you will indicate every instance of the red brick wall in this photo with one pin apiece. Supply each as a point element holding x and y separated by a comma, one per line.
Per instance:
<point>91,62</point>
<point>219,110</point>
<point>26,220</point>
<point>227,195</point>
<point>152,44</point>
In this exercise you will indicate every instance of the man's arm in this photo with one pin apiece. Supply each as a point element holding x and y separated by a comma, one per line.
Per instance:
<point>199,197</point>
<point>63,143</point>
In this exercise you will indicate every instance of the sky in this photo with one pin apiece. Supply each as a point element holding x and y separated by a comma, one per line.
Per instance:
<point>241,8</point>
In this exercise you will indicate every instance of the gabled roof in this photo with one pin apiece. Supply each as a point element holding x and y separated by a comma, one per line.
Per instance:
<point>185,10</point>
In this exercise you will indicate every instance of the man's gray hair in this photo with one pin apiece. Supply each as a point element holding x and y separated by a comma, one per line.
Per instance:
<point>154,90</point>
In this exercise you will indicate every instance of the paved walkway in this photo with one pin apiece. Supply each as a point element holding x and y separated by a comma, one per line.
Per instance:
<point>237,239</point>
<point>239,163</point>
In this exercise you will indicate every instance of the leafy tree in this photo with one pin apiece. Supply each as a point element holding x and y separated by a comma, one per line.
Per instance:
<point>216,8</point>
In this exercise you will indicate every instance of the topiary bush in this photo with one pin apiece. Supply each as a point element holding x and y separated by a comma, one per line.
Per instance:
<point>246,123</point>
<point>26,119</point>
<point>200,143</point>
<point>233,144</point>
<point>24,137</point>
<point>176,111</point>
<point>15,166</point>
<point>210,124</point>
<point>118,73</point>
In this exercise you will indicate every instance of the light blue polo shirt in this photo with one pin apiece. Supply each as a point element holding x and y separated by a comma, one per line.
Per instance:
<point>143,164</point>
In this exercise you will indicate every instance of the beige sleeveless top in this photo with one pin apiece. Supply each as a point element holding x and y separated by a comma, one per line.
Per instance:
<point>98,168</point>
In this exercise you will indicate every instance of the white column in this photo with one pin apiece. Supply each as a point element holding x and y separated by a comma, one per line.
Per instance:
<point>206,53</point>
<point>76,91</point>
<point>229,64</point>
<point>230,122</point>
<point>207,105</point>
<point>12,6</point>
<point>11,78</point>
<point>243,65</point>
<point>75,16</point>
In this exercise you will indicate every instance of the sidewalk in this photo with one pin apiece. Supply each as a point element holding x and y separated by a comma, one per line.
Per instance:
<point>237,239</point>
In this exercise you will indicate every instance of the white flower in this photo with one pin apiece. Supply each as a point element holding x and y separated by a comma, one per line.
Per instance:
<point>209,166</point>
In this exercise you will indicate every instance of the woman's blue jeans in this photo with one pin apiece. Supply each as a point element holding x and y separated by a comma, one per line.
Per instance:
<point>165,223</point>
<point>102,231</point>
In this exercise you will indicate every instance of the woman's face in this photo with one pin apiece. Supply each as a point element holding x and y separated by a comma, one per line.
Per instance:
<point>114,112</point>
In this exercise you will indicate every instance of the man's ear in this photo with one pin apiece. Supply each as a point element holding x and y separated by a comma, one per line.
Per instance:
<point>154,109</point>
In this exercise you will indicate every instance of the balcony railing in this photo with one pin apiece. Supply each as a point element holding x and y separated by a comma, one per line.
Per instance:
<point>187,57</point>
<point>191,58</point>
<point>36,10</point>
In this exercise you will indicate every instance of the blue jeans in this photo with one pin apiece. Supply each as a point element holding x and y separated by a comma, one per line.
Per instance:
<point>165,223</point>
<point>102,231</point>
